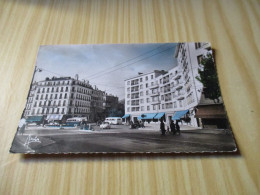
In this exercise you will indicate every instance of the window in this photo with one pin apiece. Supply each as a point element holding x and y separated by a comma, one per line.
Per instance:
<point>46,97</point>
<point>56,96</point>
<point>141,100</point>
<point>154,107</point>
<point>65,96</point>
<point>142,108</point>
<point>148,108</point>
<point>146,78</point>
<point>146,85</point>
<point>128,82</point>
<point>147,100</point>
<point>60,96</point>
<point>162,106</point>
<point>147,92</point>
<point>151,76</point>
<point>141,80</point>
<point>57,89</point>
<point>128,109</point>
<point>141,86</point>
<point>128,102</point>
<point>67,88</point>
<point>141,93</point>
<point>128,89</point>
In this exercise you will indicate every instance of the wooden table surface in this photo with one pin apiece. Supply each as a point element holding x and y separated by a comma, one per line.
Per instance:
<point>231,26</point>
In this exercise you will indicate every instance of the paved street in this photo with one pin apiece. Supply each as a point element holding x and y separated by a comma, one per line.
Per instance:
<point>121,139</point>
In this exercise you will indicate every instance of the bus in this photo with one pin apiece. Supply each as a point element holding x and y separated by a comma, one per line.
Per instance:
<point>114,120</point>
<point>75,121</point>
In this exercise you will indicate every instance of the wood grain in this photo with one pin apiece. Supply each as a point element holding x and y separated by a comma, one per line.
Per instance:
<point>231,26</point>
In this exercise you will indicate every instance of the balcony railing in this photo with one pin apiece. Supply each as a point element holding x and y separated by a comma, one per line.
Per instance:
<point>154,94</point>
<point>154,86</point>
<point>155,102</point>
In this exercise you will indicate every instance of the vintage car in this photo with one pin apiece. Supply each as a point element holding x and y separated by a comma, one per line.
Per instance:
<point>105,125</point>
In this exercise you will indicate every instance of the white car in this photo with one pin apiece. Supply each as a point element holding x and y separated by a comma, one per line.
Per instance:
<point>105,125</point>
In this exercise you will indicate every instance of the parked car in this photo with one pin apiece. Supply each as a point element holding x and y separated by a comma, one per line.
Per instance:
<point>105,125</point>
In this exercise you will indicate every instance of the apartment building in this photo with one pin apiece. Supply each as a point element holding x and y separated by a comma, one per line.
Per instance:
<point>170,94</point>
<point>56,98</point>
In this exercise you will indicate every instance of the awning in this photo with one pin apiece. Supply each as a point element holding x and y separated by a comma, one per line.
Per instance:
<point>53,117</point>
<point>147,116</point>
<point>31,119</point>
<point>210,111</point>
<point>126,116</point>
<point>159,115</point>
<point>177,115</point>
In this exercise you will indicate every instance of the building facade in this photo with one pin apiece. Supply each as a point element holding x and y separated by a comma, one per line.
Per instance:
<point>168,92</point>
<point>55,98</point>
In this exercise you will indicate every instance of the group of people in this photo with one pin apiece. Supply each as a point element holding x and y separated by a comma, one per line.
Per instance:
<point>175,128</point>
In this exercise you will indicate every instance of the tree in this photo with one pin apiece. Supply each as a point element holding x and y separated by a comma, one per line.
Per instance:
<point>115,113</point>
<point>209,78</point>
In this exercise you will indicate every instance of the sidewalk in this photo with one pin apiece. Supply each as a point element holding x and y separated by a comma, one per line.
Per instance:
<point>187,129</point>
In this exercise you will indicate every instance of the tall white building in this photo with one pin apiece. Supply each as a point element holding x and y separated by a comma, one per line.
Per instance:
<point>170,94</point>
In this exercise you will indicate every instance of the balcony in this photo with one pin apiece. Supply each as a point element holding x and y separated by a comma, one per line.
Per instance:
<point>134,83</point>
<point>155,102</point>
<point>179,87</point>
<point>167,90</point>
<point>154,94</point>
<point>134,97</point>
<point>180,96</point>
<point>154,86</point>
<point>168,99</point>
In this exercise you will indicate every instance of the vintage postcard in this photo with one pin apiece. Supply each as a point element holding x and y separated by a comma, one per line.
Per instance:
<point>124,98</point>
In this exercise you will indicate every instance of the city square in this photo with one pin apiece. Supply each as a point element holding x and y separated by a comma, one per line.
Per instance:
<point>131,105</point>
<point>122,139</point>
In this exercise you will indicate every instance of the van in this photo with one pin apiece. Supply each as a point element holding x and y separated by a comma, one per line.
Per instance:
<point>75,121</point>
<point>114,120</point>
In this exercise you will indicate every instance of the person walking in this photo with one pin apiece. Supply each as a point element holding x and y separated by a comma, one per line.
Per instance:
<point>178,128</point>
<point>172,126</point>
<point>162,127</point>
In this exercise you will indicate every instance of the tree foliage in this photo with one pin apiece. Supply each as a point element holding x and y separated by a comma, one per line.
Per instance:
<point>209,78</point>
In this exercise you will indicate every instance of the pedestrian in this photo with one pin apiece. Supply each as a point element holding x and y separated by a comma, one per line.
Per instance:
<point>178,128</point>
<point>142,124</point>
<point>131,124</point>
<point>137,124</point>
<point>172,126</point>
<point>84,124</point>
<point>162,127</point>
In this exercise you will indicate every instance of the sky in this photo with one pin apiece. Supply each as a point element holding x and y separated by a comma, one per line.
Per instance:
<point>104,65</point>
